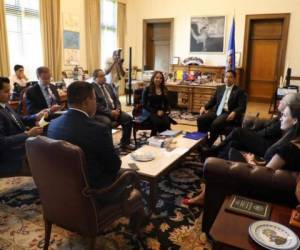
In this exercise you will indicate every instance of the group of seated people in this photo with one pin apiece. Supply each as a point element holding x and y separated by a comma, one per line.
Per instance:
<point>94,109</point>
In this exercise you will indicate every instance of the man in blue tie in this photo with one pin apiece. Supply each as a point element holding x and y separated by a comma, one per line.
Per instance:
<point>13,134</point>
<point>43,95</point>
<point>226,107</point>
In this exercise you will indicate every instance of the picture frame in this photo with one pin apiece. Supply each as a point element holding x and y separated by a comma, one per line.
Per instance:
<point>207,34</point>
<point>175,60</point>
<point>249,207</point>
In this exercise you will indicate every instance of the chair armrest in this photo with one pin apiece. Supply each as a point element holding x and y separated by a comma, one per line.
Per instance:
<point>252,176</point>
<point>124,184</point>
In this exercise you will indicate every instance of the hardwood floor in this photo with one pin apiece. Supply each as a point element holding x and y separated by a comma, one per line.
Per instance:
<point>252,109</point>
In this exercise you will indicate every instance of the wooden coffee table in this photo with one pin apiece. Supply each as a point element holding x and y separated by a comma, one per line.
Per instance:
<point>164,160</point>
<point>230,231</point>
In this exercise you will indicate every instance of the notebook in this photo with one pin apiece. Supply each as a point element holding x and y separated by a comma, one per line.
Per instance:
<point>195,135</point>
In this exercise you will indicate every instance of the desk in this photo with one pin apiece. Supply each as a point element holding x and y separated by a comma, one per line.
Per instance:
<point>193,96</point>
<point>230,231</point>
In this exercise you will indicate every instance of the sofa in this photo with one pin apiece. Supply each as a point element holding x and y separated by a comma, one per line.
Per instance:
<point>225,178</point>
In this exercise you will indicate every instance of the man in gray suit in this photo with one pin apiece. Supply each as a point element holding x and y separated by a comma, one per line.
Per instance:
<point>109,108</point>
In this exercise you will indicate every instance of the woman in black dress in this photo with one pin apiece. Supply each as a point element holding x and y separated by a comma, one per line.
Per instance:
<point>155,103</point>
<point>284,154</point>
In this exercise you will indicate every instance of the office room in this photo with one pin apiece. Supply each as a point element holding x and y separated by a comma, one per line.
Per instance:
<point>149,124</point>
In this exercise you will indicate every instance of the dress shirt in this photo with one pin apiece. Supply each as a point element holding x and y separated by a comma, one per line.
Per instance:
<point>229,89</point>
<point>48,95</point>
<point>79,110</point>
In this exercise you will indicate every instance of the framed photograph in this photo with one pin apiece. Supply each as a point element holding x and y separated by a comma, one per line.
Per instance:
<point>250,207</point>
<point>175,60</point>
<point>207,34</point>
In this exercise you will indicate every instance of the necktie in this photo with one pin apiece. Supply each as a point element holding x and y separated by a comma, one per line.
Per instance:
<point>14,118</point>
<point>107,97</point>
<point>50,97</point>
<point>222,103</point>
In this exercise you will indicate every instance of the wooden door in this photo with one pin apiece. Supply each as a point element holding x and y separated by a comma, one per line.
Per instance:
<point>157,44</point>
<point>264,55</point>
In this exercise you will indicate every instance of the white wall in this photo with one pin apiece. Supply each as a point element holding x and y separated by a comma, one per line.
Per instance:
<point>182,11</point>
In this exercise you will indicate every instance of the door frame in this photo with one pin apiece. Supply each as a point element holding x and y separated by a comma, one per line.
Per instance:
<point>153,21</point>
<point>285,28</point>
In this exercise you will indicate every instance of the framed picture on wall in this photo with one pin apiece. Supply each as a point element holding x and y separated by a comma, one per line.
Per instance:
<point>175,60</point>
<point>207,34</point>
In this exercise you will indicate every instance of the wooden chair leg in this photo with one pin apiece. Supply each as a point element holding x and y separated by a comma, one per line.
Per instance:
<point>91,243</point>
<point>48,227</point>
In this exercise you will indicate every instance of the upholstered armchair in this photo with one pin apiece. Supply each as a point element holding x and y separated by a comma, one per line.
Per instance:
<point>226,177</point>
<point>60,174</point>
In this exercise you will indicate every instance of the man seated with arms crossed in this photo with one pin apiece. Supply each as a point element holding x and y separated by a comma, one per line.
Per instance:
<point>77,127</point>
<point>43,95</point>
<point>13,133</point>
<point>109,108</point>
<point>226,107</point>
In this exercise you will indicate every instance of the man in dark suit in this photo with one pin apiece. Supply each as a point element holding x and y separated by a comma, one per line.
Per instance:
<point>109,108</point>
<point>226,107</point>
<point>42,95</point>
<point>77,127</point>
<point>13,132</point>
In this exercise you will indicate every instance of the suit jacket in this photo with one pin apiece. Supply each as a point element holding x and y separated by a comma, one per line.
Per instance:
<point>35,100</point>
<point>102,107</point>
<point>12,139</point>
<point>94,139</point>
<point>237,101</point>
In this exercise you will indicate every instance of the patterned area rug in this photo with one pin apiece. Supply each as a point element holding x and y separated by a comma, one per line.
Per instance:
<point>173,226</point>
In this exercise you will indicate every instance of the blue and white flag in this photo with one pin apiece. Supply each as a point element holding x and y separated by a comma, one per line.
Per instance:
<point>230,60</point>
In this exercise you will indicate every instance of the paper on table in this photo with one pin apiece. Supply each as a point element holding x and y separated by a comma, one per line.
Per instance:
<point>42,122</point>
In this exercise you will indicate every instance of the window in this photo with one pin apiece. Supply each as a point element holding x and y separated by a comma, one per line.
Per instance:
<point>108,29</point>
<point>24,35</point>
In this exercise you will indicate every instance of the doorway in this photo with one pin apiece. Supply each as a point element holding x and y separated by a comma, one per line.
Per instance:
<point>264,54</point>
<point>158,44</point>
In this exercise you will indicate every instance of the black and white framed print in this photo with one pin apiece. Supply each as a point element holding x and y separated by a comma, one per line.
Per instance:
<point>207,34</point>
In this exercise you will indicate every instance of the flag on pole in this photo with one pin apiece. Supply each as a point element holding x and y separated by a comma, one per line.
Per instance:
<point>230,60</point>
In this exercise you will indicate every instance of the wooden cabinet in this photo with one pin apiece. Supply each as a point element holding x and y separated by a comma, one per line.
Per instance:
<point>192,97</point>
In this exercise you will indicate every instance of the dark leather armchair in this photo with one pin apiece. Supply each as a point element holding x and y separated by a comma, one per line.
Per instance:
<point>60,173</point>
<point>225,178</point>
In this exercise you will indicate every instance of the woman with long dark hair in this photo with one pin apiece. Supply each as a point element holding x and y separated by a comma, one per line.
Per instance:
<point>155,103</point>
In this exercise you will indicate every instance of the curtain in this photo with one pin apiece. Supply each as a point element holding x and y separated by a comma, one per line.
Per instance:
<point>121,28</point>
<point>121,31</point>
<point>51,36</point>
<point>4,57</point>
<point>92,29</point>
